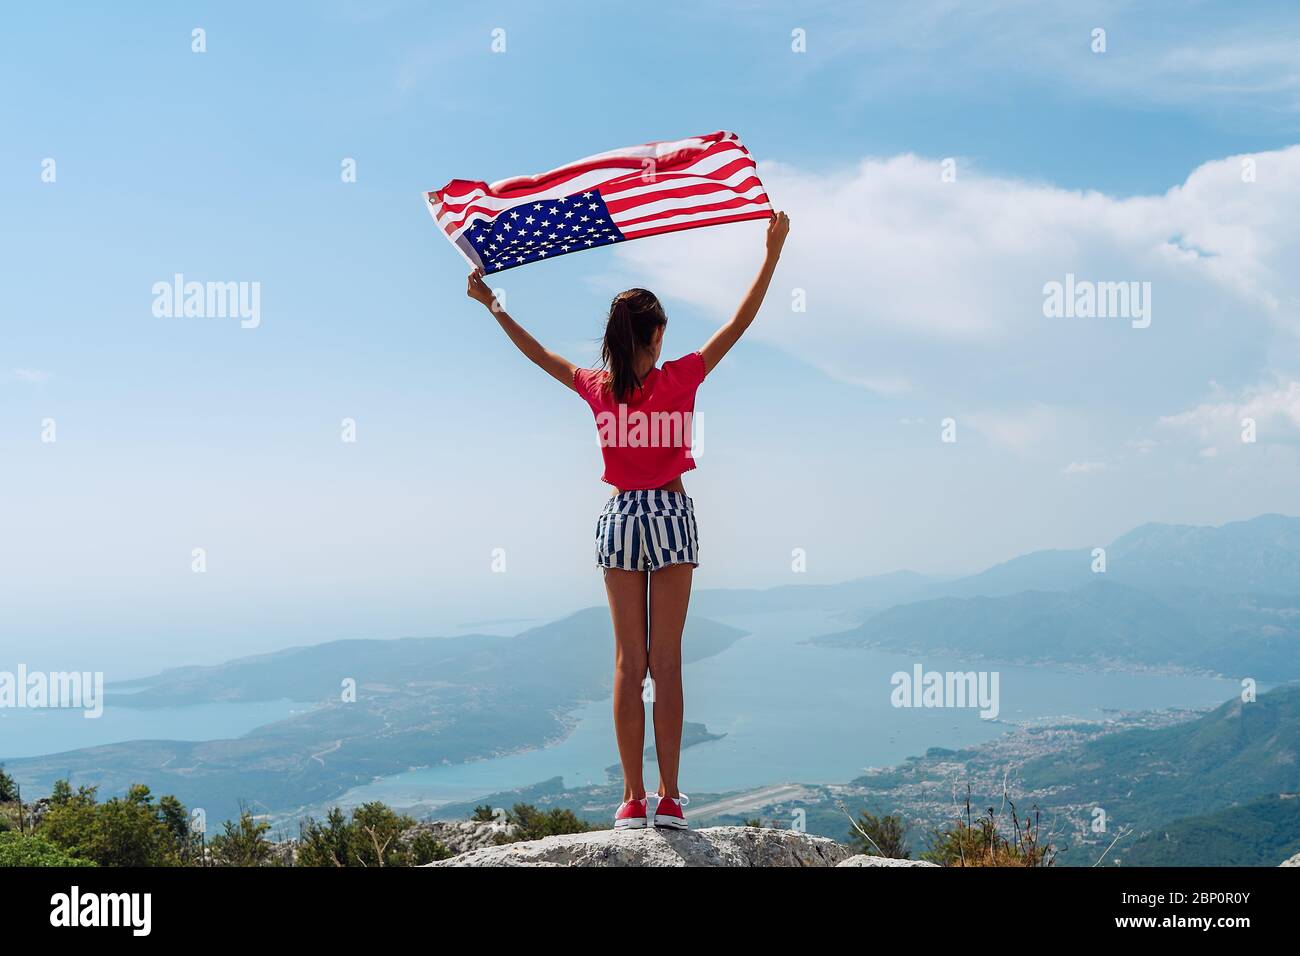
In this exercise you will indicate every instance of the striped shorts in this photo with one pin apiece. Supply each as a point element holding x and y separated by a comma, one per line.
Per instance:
<point>647,530</point>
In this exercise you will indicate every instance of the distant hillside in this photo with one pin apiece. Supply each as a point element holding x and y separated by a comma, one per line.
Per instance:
<point>1257,556</point>
<point>1092,624</point>
<point>1261,555</point>
<point>419,702</point>
<point>1262,833</point>
<point>568,656</point>
<point>857,595</point>
<point>1054,570</point>
<point>1220,599</point>
<point>1147,779</point>
<point>1102,622</point>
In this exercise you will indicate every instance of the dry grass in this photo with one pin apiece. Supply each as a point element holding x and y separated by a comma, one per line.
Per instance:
<point>980,841</point>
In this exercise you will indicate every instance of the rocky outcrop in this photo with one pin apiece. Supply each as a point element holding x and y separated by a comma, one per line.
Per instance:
<point>1293,861</point>
<point>861,860</point>
<point>460,836</point>
<point>713,846</point>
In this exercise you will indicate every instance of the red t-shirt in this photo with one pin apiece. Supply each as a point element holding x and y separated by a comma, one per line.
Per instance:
<point>645,440</point>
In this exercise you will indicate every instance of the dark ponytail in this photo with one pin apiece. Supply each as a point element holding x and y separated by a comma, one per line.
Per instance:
<point>634,317</point>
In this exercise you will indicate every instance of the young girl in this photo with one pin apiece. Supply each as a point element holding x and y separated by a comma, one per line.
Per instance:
<point>646,539</point>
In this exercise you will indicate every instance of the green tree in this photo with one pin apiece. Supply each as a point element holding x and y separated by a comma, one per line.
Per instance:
<point>483,814</point>
<point>71,819</point>
<point>372,837</point>
<point>425,848</point>
<point>175,817</point>
<point>62,793</point>
<point>18,850</point>
<point>243,842</point>
<point>880,836</point>
<point>8,789</point>
<point>324,844</point>
<point>130,831</point>
<point>533,824</point>
<point>125,831</point>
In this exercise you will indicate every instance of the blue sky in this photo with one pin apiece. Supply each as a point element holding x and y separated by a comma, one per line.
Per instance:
<point>822,428</point>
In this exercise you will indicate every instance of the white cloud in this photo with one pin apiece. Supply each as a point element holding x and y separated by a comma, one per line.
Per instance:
<point>34,375</point>
<point>1218,423</point>
<point>937,287</point>
<point>1084,467</point>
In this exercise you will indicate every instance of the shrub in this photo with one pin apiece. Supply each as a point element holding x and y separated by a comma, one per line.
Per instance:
<point>125,831</point>
<point>8,789</point>
<point>372,837</point>
<point>880,836</point>
<point>533,824</point>
<point>242,842</point>
<point>980,842</point>
<point>18,850</point>
<point>425,848</point>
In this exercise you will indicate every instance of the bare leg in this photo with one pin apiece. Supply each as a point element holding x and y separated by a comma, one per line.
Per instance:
<point>670,592</point>
<point>627,609</point>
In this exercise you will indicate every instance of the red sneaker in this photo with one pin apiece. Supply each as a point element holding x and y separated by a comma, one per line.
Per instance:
<point>668,812</point>
<point>630,816</point>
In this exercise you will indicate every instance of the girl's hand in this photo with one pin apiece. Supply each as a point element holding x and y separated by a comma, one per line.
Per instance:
<point>478,290</point>
<point>778,227</point>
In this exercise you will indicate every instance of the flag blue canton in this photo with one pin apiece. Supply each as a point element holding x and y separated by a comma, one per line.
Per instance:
<point>543,230</point>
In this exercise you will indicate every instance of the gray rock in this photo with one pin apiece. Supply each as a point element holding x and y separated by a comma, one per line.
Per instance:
<point>861,860</point>
<point>1293,861</point>
<point>713,846</point>
<point>460,836</point>
<point>284,853</point>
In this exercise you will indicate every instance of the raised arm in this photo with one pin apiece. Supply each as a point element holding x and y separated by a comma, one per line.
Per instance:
<point>727,336</point>
<point>556,366</point>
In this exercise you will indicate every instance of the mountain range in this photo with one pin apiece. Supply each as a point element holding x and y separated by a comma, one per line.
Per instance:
<point>1220,600</point>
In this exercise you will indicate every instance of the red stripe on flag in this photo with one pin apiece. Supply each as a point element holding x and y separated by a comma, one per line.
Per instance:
<point>624,183</point>
<point>681,192</point>
<point>682,227</point>
<point>520,188</point>
<point>688,211</point>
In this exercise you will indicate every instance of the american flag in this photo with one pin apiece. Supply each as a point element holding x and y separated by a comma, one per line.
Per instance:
<point>611,197</point>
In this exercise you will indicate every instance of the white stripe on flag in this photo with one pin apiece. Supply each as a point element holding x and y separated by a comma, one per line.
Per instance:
<point>678,181</point>
<point>654,208</point>
<point>699,217</point>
